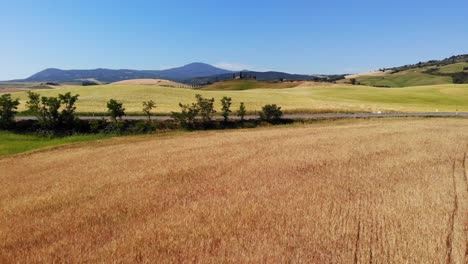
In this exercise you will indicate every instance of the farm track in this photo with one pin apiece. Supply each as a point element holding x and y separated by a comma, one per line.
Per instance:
<point>457,242</point>
<point>465,204</point>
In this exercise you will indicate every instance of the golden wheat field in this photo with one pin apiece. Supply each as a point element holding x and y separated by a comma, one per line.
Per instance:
<point>370,191</point>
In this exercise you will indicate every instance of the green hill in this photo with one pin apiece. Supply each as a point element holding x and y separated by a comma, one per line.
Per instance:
<point>404,79</point>
<point>452,70</point>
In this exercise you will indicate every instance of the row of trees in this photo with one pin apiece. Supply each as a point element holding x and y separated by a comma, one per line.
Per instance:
<point>58,113</point>
<point>53,112</point>
<point>204,109</point>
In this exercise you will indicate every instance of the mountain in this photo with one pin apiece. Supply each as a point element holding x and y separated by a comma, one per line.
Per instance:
<point>186,72</point>
<point>194,73</point>
<point>103,75</point>
<point>189,71</point>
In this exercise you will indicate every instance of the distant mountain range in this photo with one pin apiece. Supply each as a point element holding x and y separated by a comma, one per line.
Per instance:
<point>183,73</point>
<point>191,73</point>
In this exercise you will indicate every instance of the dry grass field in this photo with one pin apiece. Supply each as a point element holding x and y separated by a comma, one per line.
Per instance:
<point>156,82</point>
<point>375,191</point>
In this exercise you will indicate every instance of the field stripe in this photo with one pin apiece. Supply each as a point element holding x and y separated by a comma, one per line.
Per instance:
<point>465,209</point>
<point>449,240</point>
<point>457,248</point>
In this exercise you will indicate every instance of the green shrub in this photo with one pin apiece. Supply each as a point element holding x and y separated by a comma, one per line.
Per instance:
<point>460,77</point>
<point>225,107</point>
<point>147,107</point>
<point>206,107</point>
<point>189,112</point>
<point>8,108</point>
<point>97,126</point>
<point>47,110</point>
<point>67,116</point>
<point>115,109</point>
<point>139,127</point>
<point>89,83</point>
<point>271,112</point>
<point>187,115</point>
<point>241,112</point>
<point>115,128</point>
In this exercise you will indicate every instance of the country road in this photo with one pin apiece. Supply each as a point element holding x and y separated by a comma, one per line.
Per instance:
<point>293,116</point>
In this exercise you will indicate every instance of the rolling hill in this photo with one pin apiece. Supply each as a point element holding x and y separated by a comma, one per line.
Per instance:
<point>301,99</point>
<point>240,85</point>
<point>265,76</point>
<point>453,70</point>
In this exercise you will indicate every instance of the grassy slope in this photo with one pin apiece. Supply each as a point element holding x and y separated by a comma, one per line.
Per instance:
<point>22,85</point>
<point>453,68</point>
<point>414,77</point>
<point>17,85</point>
<point>240,85</point>
<point>405,79</point>
<point>299,99</point>
<point>14,143</point>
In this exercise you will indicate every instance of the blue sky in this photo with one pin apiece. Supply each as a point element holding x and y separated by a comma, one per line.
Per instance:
<point>292,36</point>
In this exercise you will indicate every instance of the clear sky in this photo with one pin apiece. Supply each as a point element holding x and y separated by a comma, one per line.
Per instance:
<point>293,36</point>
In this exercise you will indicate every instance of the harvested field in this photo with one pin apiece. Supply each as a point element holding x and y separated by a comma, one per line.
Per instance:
<point>13,90</point>
<point>13,87</point>
<point>375,191</point>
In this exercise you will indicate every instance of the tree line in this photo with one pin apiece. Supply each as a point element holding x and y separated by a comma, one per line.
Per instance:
<point>57,114</point>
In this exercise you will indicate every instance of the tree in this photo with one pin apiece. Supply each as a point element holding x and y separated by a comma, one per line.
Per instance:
<point>353,81</point>
<point>205,107</point>
<point>115,109</point>
<point>226,104</point>
<point>147,107</point>
<point>271,112</point>
<point>33,103</point>
<point>50,116</point>
<point>8,108</point>
<point>68,101</point>
<point>241,112</point>
<point>187,115</point>
<point>89,83</point>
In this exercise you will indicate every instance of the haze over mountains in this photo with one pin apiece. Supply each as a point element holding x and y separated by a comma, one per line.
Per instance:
<point>194,72</point>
